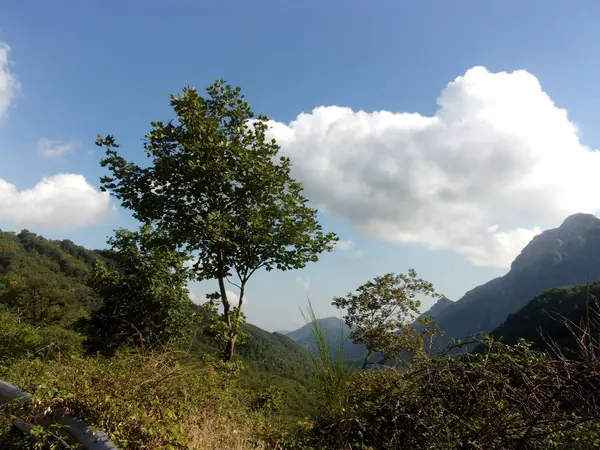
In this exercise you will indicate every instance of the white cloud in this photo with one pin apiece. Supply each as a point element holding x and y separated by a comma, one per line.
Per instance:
<point>55,149</point>
<point>344,245</point>
<point>497,161</point>
<point>304,282</point>
<point>63,201</point>
<point>194,298</point>
<point>232,298</point>
<point>347,247</point>
<point>9,86</point>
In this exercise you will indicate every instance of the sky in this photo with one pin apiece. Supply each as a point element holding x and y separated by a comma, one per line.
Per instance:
<point>435,135</point>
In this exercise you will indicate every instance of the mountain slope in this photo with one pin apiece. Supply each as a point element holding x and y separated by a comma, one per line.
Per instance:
<point>567,255</point>
<point>336,332</point>
<point>544,315</point>
<point>437,309</point>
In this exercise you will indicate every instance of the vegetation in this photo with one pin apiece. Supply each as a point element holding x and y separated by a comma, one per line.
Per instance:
<point>145,298</point>
<point>217,188</point>
<point>384,312</point>
<point>542,320</point>
<point>112,337</point>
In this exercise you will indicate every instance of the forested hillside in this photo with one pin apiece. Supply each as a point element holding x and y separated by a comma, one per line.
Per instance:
<point>45,281</point>
<point>46,284</point>
<point>542,320</point>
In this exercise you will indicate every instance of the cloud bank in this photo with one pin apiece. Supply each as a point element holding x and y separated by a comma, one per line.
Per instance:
<point>63,201</point>
<point>496,162</point>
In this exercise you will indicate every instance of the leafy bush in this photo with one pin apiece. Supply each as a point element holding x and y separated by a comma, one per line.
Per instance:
<point>510,397</point>
<point>145,401</point>
<point>21,340</point>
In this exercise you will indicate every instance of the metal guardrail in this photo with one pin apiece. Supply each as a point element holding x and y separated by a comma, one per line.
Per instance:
<point>81,432</point>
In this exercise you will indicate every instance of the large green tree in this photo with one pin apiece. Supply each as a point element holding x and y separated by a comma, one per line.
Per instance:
<point>216,186</point>
<point>145,296</point>
<point>382,314</point>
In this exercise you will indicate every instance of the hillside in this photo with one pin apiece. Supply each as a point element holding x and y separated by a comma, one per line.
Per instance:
<point>567,255</point>
<point>543,316</point>
<point>44,282</point>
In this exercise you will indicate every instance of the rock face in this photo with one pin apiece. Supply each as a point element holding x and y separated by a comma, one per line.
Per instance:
<point>567,255</point>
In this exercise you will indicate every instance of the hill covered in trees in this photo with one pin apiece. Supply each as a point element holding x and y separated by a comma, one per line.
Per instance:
<point>542,320</point>
<point>46,283</point>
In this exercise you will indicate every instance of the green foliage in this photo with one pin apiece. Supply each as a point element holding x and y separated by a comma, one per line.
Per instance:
<point>21,340</point>
<point>217,187</point>
<point>383,312</point>
<point>335,330</point>
<point>332,372</point>
<point>542,320</point>
<point>144,401</point>
<point>44,282</point>
<point>146,301</point>
<point>511,397</point>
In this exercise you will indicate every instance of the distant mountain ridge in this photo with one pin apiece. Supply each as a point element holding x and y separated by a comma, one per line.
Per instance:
<point>437,309</point>
<point>564,256</point>
<point>336,332</point>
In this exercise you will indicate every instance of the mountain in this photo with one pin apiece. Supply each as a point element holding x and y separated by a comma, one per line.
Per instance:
<point>336,332</point>
<point>544,315</point>
<point>437,309</point>
<point>567,255</point>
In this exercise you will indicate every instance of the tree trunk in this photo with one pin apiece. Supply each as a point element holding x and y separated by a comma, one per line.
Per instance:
<point>226,307</point>
<point>230,348</point>
<point>366,361</point>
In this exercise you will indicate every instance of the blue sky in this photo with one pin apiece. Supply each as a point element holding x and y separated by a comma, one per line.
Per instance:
<point>454,191</point>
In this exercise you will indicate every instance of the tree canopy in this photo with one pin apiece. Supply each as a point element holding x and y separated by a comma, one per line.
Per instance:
<point>382,313</point>
<point>217,188</point>
<point>146,301</point>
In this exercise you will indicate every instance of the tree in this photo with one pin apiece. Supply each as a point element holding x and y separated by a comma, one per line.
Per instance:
<point>382,313</point>
<point>217,188</point>
<point>36,294</point>
<point>145,298</point>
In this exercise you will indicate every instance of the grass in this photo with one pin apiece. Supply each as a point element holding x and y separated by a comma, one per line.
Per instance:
<point>333,374</point>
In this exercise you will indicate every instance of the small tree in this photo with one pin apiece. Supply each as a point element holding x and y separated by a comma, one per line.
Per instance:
<point>217,188</point>
<point>382,315</point>
<point>145,297</point>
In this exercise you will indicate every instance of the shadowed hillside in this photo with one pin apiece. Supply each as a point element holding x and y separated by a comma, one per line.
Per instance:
<point>564,256</point>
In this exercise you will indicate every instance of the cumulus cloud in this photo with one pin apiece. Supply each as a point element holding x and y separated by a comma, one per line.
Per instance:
<point>64,201</point>
<point>497,161</point>
<point>53,149</point>
<point>9,85</point>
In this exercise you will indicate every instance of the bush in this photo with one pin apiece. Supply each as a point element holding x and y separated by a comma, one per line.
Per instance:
<point>21,340</point>
<point>511,397</point>
<point>146,401</point>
